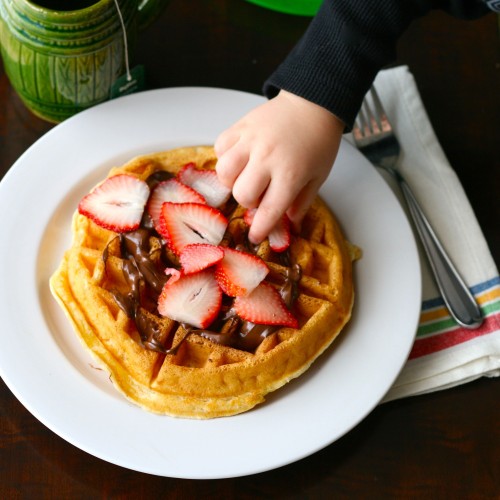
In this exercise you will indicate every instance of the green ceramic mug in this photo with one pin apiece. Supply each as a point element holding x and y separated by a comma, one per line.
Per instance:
<point>63,56</point>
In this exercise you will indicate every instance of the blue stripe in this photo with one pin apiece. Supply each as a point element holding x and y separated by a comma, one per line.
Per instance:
<point>487,284</point>
<point>438,301</point>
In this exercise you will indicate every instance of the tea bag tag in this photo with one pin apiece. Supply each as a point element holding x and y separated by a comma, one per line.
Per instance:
<point>133,80</point>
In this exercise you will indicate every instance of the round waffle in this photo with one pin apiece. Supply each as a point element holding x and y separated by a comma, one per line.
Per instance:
<point>168,368</point>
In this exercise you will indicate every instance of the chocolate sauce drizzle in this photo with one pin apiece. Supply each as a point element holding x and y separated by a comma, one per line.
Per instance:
<point>145,278</point>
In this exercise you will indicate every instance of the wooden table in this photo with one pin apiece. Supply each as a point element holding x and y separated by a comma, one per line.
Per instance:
<point>443,445</point>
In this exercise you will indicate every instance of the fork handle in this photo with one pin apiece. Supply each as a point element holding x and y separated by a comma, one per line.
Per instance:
<point>457,297</point>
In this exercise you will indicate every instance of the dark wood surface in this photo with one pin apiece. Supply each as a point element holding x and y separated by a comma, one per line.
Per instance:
<point>442,445</point>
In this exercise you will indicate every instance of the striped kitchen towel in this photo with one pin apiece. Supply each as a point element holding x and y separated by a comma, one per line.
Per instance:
<point>437,330</point>
<point>444,354</point>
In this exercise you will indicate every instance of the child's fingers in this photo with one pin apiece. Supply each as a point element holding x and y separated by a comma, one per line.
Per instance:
<point>231,164</point>
<point>250,186</point>
<point>273,205</point>
<point>299,207</point>
<point>225,141</point>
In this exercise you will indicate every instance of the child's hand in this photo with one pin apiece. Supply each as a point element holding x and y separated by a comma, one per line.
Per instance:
<point>276,158</point>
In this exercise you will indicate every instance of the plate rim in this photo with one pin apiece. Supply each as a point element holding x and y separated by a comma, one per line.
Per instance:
<point>18,173</point>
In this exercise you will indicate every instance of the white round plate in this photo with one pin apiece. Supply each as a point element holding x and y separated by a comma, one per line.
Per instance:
<point>47,369</point>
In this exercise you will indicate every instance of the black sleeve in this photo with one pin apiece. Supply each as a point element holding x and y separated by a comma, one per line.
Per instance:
<point>346,44</point>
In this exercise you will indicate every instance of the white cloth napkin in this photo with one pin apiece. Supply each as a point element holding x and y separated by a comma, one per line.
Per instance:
<point>444,354</point>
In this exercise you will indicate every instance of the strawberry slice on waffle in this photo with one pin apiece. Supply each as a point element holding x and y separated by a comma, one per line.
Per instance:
<point>206,183</point>
<point>170,190</point>
<point>264,306</point>
<point>238,273</point>
<point>183,224</point>
<point>117,204</point>
<point>193,299</point>
<point>199,256</point>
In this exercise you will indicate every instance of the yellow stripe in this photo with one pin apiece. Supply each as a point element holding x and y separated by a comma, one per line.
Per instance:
<point>434,315</point>
<point>489,296</point>
<point>441,312</point>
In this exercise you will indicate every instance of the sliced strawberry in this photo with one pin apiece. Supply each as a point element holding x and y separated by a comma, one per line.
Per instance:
<point>206,183</point>
<point>182,224</point>
<point>170,190</point>
<point>264,306</point>
<point>194,299</point>
<point>280,235</point>
<point>116,204</point>
<point>199,256</point>
<point>249,215</point>
<point>173,273</point>
<point>238,273</point>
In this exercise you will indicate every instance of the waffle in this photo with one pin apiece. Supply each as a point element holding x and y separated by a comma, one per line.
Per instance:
<point>166,367</point>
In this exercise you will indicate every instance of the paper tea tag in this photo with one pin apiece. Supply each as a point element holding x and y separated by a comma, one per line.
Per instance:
<point>132,81</point>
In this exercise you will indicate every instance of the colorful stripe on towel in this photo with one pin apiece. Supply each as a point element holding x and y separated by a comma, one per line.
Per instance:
<point>438,331</point>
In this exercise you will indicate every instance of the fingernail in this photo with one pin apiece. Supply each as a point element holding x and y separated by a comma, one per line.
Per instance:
<point>253,240</point>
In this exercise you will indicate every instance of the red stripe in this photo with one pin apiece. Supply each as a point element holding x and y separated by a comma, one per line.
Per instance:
<point>442,341</point>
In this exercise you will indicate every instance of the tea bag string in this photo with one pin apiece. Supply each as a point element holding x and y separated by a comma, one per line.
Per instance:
<point>125,43</point>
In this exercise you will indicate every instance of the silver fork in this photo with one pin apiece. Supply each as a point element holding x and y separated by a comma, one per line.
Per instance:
<point>375,138</point>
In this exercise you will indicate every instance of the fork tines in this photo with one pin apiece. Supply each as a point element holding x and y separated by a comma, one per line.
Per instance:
<point>371,119</point>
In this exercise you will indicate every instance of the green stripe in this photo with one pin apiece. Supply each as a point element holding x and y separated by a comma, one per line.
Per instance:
<point>443,324</point>
<point>448,322</point>
<point>492,307</point>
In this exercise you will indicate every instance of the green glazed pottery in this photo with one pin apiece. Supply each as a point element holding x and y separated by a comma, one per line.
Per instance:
<point>63,56</point>
<point>297,7</point>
